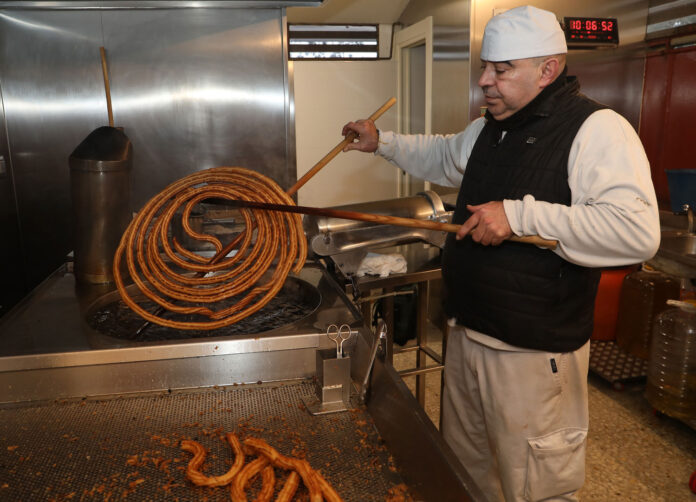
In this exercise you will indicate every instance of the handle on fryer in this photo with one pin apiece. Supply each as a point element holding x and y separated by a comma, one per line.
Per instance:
<point>380,335</point>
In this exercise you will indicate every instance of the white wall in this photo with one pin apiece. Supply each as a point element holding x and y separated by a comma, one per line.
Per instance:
<point>329,94</point>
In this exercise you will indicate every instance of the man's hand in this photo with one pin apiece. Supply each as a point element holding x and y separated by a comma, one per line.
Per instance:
<point>488,224</point>
<point>367,137</point>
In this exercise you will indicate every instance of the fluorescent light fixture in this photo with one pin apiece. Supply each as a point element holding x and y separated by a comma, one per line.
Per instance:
<point>333,41</point>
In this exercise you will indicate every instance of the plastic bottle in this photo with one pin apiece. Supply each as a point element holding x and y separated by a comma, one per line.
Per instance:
<point>671,387</point>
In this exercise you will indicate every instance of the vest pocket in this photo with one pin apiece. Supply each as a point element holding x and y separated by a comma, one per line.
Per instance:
<point>556,463</point>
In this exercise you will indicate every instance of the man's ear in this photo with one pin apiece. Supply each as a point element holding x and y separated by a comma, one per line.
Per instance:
<point>550,69</point>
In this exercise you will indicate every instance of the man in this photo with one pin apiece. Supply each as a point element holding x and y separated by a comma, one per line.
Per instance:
<point>545,160</point>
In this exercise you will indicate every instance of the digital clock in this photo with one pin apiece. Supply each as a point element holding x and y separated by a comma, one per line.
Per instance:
<point>591,31</point>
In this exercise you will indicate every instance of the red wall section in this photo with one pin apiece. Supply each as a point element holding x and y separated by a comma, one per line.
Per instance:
<point>668,117</point>
<point>606,311</point>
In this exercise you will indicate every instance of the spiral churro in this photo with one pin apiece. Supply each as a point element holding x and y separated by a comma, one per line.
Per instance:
<point>185,283</point>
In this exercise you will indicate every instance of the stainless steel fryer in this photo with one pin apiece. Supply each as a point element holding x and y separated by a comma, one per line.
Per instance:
<point>48,356</point>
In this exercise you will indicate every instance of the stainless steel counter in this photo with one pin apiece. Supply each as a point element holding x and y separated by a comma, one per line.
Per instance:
<point>423,270</point>
<point>676,255</point>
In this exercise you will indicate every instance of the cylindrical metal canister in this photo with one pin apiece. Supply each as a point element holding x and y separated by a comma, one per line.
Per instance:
<point>100,189</point>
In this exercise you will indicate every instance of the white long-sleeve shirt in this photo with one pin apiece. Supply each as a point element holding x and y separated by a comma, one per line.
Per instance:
<point>613,218</point>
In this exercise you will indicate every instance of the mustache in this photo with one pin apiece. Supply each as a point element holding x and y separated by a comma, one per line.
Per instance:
<point>487,93</point>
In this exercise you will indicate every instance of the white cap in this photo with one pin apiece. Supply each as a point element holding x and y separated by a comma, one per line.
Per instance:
<point>522,32</point>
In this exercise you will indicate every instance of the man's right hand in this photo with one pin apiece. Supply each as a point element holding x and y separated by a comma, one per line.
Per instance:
<point>367,137</point>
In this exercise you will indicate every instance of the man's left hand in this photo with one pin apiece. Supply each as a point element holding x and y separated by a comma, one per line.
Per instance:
<point>487,225</point>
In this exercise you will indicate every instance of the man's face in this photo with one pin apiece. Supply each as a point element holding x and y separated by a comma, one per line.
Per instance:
<point>510,85</point>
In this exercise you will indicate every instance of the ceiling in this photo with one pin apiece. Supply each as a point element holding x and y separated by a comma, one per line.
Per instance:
<point>349,12</point>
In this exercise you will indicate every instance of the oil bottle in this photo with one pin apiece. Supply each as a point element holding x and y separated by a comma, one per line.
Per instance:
<point>671,386</point>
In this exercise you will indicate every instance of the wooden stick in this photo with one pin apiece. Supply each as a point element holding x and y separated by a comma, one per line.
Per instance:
<point>107,88</point>
<point>337,149</point>
<point>381,219</point>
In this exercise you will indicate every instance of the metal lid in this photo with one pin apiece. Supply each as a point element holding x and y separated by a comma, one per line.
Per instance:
<point>104,149</point>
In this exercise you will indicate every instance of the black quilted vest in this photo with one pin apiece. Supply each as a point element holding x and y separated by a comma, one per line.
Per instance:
<point>521,294</point>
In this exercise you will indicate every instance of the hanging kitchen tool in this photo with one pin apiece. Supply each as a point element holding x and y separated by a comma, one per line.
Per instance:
<point>100,190</point>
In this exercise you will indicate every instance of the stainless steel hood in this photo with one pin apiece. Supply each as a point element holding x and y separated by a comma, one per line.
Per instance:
<point>165,4</point>
<point>194,85</point>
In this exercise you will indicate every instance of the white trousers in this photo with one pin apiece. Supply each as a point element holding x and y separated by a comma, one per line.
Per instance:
<point>517,419</point>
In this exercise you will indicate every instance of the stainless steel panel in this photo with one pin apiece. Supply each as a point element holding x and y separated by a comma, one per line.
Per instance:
<point>198,89</point>
<point>670,18</point>
<point>193,89</point>
<point>11,260</point>
<point>676,255</point>
<point>156,375</point>
<point>398,416</point>
<point>165,351</point>
<point>51,99</point>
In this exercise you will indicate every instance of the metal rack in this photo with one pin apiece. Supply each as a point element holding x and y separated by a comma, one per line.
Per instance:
<point>421,272</point>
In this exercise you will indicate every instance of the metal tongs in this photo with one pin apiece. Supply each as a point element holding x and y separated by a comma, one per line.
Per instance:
<point>338,336</point>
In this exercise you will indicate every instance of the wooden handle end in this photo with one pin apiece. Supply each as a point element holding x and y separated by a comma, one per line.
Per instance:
<point>536,240</point>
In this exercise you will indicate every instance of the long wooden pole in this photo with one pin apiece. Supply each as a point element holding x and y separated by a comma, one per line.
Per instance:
<point>381,219</point>
<point>107,87</point>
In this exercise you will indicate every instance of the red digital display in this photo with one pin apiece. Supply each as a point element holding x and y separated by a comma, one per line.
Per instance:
<point>591,31</point>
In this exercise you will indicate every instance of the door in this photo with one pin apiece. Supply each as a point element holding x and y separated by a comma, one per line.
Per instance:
<point>413,47</point>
